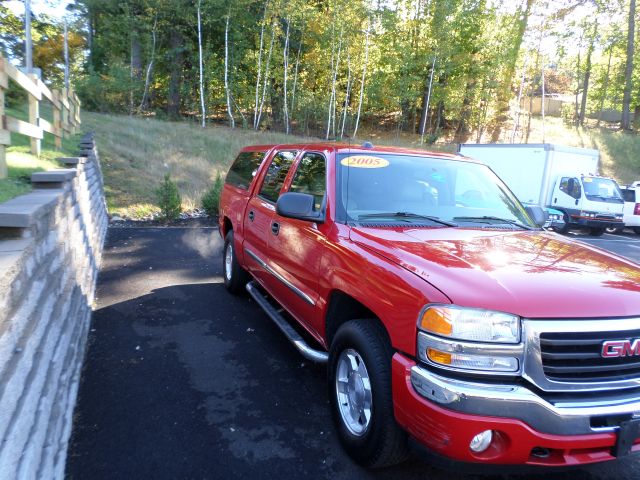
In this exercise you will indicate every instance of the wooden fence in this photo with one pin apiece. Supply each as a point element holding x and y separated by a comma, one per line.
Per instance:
<point>65,105</point>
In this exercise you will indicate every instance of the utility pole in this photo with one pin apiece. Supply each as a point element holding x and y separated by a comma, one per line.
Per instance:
<point>28,62</point>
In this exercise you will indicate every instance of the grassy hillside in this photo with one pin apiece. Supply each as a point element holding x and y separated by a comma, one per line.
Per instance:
<point>137,152</point>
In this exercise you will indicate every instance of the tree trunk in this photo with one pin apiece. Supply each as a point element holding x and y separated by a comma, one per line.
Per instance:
<point>175,79</point>
<point>136,54</point>
<point>587,75</point>
<point>204,113</point>
<point>364,74</point>
<point>255,109</point>
<point>147,79</point>
<point>346,97</point>
<point>266,78</point>
<point>332,97</point>
<point>628,71</point>
<point>605,87</point>
<point>232,122</point>
<point>426,101</point>
<point>285,55</point>
<point>295,75</point>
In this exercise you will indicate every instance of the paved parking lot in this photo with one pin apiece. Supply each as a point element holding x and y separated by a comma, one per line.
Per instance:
<point>183,381</point>
<point>626,244</point>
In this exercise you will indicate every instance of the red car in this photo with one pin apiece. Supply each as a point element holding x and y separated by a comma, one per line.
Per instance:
<point>448,319</point>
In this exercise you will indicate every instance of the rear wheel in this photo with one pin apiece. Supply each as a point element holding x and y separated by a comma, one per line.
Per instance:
<point>596,231</point>
<point>637,230</point>
<point>360,395</point>
<point>234,276</point>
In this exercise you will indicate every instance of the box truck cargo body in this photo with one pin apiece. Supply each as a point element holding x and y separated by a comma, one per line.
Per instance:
<point>558,177</point>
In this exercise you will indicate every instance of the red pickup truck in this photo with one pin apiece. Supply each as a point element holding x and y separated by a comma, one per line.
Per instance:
<point>449,321</point>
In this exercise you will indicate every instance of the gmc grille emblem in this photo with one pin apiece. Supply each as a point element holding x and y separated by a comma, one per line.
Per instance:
<point>620,348</point>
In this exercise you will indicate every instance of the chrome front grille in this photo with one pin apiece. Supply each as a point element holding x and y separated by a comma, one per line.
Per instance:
<point>564,355</point>
<point>576,357</point>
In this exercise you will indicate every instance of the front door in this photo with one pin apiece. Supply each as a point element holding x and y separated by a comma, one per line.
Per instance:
<point>296,248</point>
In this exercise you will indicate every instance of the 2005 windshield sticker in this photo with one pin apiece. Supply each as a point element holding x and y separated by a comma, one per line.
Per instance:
<point>364,161</point>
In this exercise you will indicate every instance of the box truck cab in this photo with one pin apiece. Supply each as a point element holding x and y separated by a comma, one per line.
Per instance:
<point>558,177</point>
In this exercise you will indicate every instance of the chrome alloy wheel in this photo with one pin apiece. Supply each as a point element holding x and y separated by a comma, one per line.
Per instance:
<point>353,391</point>
<point>228,262</point>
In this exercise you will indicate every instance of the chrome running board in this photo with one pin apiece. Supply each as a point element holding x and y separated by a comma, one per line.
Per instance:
<point>294,337</point>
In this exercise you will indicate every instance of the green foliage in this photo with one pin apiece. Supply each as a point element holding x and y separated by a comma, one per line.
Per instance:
<point>169,199</point>
<point>211,198</point>
<point>568,113</point>
<point>109,91</point>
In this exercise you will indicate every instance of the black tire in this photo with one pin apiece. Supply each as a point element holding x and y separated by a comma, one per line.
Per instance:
<point>637,230</point>
<point>596,231</point>
<point>235,277</point>
<point>565,228</point>
<point>614,230</point>
<point>381,442</point>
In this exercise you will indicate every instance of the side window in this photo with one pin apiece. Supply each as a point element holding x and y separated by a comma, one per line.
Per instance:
<point>564,185</point>
<point>629,195</point>
<point>244,168</point>
<point>311,178</point>
<point>571,186</point>
<point>275,175</point>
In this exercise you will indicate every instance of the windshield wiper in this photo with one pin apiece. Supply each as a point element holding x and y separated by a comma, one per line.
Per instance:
<point>406,215</point>
<point>497,219</point>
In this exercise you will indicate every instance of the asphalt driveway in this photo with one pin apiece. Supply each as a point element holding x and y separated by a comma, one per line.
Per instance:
<point>183,381</point>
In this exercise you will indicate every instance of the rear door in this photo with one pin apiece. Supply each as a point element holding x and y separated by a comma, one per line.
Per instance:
<point>296,246</point>
<point>259,216</point>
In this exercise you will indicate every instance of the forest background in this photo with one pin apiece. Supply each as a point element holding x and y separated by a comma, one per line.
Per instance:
<point>433,71</point>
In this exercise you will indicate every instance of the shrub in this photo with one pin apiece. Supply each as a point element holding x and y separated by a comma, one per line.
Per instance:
<point>169,199</point>
<point>211,198</point>
<point>568,113</point>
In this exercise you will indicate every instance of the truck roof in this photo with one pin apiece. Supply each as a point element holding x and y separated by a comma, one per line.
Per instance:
<point>350,148</point>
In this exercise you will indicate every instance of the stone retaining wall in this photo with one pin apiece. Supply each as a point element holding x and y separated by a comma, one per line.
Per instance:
<point>50,248</point>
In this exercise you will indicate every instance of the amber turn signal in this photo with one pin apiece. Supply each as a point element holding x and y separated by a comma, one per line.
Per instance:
<point>437,356</point>
<point>436,320</point>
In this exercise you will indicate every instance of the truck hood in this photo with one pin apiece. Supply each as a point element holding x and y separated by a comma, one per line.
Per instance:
<point>529,273</point>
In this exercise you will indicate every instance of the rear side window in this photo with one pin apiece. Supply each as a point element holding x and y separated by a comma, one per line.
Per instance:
<point>244,168</point>
<point>277,172</point>
<point>629,195</point>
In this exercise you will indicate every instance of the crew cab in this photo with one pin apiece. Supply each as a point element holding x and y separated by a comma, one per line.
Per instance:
<point>448,320</point>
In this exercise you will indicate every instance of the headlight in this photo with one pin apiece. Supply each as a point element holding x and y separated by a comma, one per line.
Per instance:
<point>471,324</point>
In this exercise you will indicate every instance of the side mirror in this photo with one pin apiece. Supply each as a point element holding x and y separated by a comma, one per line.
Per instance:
<point>298,206</point>
<point>537,214</point>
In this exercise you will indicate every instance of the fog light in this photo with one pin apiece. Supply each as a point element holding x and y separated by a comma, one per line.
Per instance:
<point>481,441</point>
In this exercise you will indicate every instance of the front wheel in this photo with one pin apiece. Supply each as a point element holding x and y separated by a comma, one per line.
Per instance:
<point>234,276</point>
<point>360,395</point>
<point>564,228</point>
<point>614,230</point>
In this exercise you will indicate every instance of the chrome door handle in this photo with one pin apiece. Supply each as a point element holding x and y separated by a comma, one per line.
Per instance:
<point>251,215</point>
<point>275,228</point>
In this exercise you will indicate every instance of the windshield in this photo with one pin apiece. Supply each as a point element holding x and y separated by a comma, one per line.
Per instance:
<point>596,188</point>
<point>385,188</point>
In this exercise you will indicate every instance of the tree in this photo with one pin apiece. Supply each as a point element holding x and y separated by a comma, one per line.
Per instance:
<point>628,71</point>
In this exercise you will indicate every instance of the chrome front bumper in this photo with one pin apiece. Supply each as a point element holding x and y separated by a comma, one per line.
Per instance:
<point>518,402</point>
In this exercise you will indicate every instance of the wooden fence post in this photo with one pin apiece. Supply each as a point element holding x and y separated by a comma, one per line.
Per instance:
<point>57,123</point>
<point>5,136</point>
<point>34,115</point>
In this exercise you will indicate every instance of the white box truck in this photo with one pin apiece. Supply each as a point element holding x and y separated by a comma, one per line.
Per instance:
<point>556,177</point>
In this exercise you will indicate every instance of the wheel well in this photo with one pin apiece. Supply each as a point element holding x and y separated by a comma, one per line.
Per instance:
<point>226,226</point>
<point>343,308</point>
